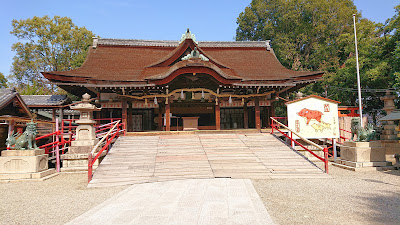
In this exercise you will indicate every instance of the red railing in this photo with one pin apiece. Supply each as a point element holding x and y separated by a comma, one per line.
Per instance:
<point>72,125</point>
<point>274,125</point>
<point>113,133</point>
<point>53,148</point>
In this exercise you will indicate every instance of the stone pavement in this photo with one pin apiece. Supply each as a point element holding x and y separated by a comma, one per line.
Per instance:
<point>193,201</point>
<point>141,159</point>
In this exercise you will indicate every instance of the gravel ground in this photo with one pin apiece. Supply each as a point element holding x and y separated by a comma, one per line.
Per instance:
<point>349,198</point>
<point>54,201</point>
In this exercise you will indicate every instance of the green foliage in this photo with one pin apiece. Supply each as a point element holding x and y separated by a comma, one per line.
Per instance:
<point>319,35</point>
<point>3,81</point>
<point>303,32</point>
<point>47,44</point>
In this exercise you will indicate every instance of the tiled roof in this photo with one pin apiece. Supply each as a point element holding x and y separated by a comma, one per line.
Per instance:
<point>45,100</point>
<point>6,94</point>
<point>124,60</point>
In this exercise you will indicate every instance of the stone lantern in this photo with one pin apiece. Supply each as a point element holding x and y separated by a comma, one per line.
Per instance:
<point>389,128</point>
<point>85,132</point>
<point>77,157</point>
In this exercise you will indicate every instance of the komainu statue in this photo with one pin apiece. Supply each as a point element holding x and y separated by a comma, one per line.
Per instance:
<point>363,134</point>
<point>24,141</point>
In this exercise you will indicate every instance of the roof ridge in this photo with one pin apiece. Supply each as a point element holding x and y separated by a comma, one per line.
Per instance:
<point>172,43</point>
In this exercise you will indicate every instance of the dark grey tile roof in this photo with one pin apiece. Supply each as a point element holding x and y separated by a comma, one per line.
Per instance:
<point>209,44</point>
<point>6,94</point>
<point>45,100</point>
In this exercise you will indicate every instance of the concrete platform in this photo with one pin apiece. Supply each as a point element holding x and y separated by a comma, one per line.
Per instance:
<point>186,202</point>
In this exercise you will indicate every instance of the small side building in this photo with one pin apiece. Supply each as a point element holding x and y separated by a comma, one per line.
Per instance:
<point>11,106</point>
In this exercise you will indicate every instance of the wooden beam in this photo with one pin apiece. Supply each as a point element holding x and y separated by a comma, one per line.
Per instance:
<point>257,109</point>
<point>217,117</point>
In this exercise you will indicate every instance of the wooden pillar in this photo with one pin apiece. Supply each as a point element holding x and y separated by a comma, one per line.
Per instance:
<point>129,119</point>
<point>245,116</point>
<point>124,113</point>
<point>257,109</point>
<point>54,115</point>
<point>167,117</point>
<point>217,117</point>
<point>272,109</point>
<point>160,120</point>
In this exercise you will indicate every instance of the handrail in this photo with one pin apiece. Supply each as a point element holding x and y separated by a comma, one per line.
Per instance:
<point>304,139</point>
<point>92,160</point>
<point>325,150</point>
<point>101,141</point>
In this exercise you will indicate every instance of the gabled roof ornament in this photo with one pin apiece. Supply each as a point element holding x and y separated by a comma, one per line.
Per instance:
<point>195,54</point>
<point>188,35</point>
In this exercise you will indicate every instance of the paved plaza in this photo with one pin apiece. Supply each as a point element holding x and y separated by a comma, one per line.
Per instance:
<point>192,201</point>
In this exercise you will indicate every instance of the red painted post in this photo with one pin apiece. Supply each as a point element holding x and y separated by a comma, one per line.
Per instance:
<point>167,118</point>
<point>57,148</point>
<point>217,117</point>
<point>257,112</point>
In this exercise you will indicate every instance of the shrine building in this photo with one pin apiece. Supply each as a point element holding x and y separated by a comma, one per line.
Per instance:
<point>186,84</point>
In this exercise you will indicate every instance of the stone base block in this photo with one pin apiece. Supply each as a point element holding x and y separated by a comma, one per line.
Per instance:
<point>392,147</point>
<point>33,152</point>
<point>79,149</point>
<point>28,176</point>
<point>363,152</point>
<point>78,162</point>
<point>363,166</point>
<point>23,164</point>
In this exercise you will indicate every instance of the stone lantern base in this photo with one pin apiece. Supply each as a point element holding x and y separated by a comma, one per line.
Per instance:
<point>359,156</point>
<point>24,164</point>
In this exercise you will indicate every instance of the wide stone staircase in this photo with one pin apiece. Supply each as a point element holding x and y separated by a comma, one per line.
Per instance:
<point>141,159</point>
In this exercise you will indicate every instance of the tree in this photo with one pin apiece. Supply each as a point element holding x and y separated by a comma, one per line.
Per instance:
<point>3,81</point>
<point>47,44</point>
<point>318,35</point>
<point>303,32</point>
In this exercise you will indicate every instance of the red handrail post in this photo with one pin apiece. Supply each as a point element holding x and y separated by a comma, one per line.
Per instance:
<point>57,148</point>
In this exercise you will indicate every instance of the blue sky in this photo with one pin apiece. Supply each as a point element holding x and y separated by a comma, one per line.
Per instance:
<point>209,20</point>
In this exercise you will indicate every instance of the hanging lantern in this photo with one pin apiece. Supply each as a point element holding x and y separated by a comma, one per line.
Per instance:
<point>193,95</point>
<point>202,96</point>
<point>182,95</point>
<point>242,101</point>
<point>230,100</point>
<point>145,101</point>
<point>155,101</point>
<point>216,101</point>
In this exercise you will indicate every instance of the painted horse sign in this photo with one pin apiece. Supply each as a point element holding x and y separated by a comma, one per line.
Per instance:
<point>314,117</point>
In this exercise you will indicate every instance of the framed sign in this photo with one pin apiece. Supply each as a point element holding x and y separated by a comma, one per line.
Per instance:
<point>314,117</point>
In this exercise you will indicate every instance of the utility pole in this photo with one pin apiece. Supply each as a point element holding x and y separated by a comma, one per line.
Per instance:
<point>358,73</point>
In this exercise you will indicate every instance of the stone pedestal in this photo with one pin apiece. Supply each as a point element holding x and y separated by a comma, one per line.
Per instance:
<point>363,156</point>
<point>392,147</point>
<point>24,164</point>
<point>78,162</point>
